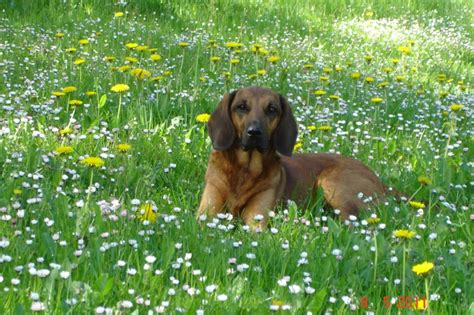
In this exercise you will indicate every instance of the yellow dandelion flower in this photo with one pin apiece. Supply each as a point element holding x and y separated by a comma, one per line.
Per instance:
<point>203,118</point>
<point>297,146</point>
<point>152,50</point>
<point>263,51</point>
<point>233,45</point>
<point>404,234</point>
<point>131,59</point>
<point>443,94</point>
<point>327,70</point>
<point>373,220</point>
<point>417,204</point>
<point>338,68</point>
<point>155,57</point>
<point>69,89</point>
<point>234,61</point>
<point>334,97</point>
<point>148,213</point>
<point>441,77</point>
<point>167,73</point>
<point>118,14</point>
<point>92,161</point>
<point>215,58</point>
<point>368,58</point>
<point>394,60</point>
<point>157,78</point>
<point>376,99</point>
<point>141,48</point>
<point>91,93</point>
<point>183,44</point>
<point>369,79</point>
<point>383,84</point>
<point>71,50</point>
<point>123,147</point>
<point>369,14</point>
<point>131,45</point>
<point>423,268</point>
<point>325,128</point>
<point>75,102</point>
<point>119,88</point>
<point>65,131</point>
<point>399,78</point>
<point>79,61</point>
<point>456,107</point>
<point>124,68</point>
<point>17,191</point>
<point>420,304</point>
<point>273,59</point>
<point>404,50</point>
<point>63,150</point>
<point>387,70</point>
<point>323,78</point>
<point>319,92</point>
<point>59,35</point>
<point>311,128</point>
<point>424,180</point>
<point>110,58</point>
<point>140,73</point>
<point>58,93</point>
<point>256,47</point>
<point>355,75</point>
<point>84,42</point>
<point>262,72</point>
<point>308,66</point>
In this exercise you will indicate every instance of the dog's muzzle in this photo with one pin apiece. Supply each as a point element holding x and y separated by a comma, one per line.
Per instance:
<point>254,138</point>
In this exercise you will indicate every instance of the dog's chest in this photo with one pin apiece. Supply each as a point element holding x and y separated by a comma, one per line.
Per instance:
<point>242,176</point>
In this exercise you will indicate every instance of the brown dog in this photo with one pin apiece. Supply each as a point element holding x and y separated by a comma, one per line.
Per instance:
<point>253,133</point>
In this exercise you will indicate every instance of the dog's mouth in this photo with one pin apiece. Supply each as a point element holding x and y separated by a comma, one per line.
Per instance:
<point>254,143</point>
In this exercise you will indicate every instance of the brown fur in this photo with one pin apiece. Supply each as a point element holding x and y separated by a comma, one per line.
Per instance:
<point>248,175</point>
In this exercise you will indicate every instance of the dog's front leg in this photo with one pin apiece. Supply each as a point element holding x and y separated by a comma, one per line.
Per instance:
<point>212,201</point>
<point>256,211</point>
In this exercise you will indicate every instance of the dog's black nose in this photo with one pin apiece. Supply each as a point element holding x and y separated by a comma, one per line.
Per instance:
<point>254,131</point>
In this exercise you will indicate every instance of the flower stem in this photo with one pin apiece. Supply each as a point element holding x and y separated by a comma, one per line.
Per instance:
<point>85,208</point>
<point>119,107</point>
<point>375,258</point>
<point>404,268</point>
<point>427,296</point>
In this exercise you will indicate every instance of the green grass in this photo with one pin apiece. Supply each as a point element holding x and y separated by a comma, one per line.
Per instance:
<point>93,242</point>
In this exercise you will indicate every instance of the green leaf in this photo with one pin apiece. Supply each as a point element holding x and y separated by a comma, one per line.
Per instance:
<point>317,302</point>
<point>107,287</point>
<point>102,100</point>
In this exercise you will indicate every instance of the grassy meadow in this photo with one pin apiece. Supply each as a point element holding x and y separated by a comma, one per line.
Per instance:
<point>103,149</point>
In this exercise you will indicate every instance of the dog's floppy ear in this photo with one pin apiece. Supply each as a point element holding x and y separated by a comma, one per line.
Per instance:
<point>286,132</point>
<point>221,129</point>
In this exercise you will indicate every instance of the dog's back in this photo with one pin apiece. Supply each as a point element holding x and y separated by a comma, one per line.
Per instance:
<point>346,182</point>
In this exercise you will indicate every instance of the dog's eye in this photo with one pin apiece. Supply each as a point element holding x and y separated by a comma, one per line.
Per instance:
<point>242,107</point>
<point>271,109</point>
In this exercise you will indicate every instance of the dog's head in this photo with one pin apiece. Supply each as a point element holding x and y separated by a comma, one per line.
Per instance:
<point>255,119</point>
